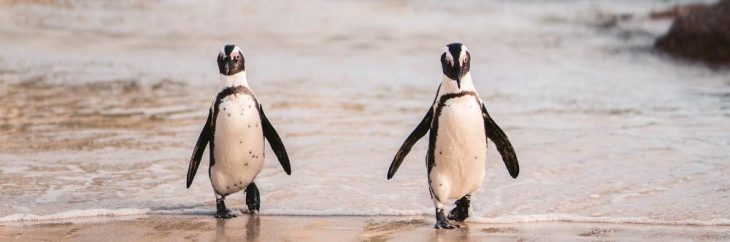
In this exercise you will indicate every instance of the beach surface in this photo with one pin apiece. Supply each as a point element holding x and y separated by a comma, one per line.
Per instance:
<point>340,228</point>
<point>101,103</point>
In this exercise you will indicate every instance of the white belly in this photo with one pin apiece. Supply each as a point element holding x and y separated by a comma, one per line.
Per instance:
<point>461,149</point>
<point>239,144</point>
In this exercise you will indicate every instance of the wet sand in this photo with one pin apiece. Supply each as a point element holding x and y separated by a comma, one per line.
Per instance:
<point>338,228</point>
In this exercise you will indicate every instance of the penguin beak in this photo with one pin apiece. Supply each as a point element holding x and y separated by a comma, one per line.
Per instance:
<point>458,77</point>
<point>228,66</point>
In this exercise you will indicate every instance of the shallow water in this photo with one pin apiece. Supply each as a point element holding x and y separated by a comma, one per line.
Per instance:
<point>101,103</point>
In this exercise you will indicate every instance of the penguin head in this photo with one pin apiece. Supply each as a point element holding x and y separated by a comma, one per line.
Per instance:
<point>230,60</point>
<point>455,62</point>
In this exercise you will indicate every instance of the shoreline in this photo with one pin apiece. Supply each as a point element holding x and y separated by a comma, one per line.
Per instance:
<point>101,213</point>
<point>336,228</point>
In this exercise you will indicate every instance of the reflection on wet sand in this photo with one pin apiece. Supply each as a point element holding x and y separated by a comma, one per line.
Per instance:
<point>461,234</point>
<point>386,231</point>
<point>252,229</point>
<point>220,232</point>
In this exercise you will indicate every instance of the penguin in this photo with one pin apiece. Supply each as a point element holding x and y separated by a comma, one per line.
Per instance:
<point>459,125</point>
<point>235,131</point>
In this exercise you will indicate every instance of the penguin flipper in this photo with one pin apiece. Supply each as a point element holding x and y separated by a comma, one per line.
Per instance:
<point>203,140</point>
<point>416,135</point>
<point>495,133</point>
<point>275,141</point>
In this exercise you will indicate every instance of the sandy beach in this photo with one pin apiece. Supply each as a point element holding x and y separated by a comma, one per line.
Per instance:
<point>101,103</point>
<point>340,228</point>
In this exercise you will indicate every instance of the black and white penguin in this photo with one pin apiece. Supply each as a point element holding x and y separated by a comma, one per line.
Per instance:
<point>459,126</point>
<point>235,130</point>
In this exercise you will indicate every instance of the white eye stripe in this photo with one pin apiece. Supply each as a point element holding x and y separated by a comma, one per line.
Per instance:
<point>449,57</point>
<point>236,50</point>
<point>464,55</point>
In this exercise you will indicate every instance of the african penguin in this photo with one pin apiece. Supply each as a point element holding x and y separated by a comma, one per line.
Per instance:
<point>459,126</point>
<point>235,130</point>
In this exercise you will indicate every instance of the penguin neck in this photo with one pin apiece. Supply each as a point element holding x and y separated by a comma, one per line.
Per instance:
<point>238,79</point>
<point>449,85</point>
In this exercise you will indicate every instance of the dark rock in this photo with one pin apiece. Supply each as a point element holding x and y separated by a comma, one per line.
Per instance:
<point>702,34</point>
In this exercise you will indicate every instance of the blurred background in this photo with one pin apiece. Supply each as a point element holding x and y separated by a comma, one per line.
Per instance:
<point>101,103</point>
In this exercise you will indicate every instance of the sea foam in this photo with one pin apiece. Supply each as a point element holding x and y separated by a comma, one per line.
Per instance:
<point>534,218</point>
<point>99,212</point>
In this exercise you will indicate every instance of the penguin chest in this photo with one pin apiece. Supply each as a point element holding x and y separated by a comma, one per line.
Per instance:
<point>238,144</point>
<point>461,148</point>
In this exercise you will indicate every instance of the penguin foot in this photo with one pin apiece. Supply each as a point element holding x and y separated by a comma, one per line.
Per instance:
<point>222,211</point>
<point>253,200</point>
<point>224,214</point>
<point>461,211</point>
<point>442,222</point>
<point>445,224</point>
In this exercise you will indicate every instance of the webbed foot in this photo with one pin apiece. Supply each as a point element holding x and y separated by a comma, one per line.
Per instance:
<point>222,211</point>
<point>442,222</point>
<point>461,211</point>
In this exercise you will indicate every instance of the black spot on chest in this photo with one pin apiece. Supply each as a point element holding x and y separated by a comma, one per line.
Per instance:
<point>236,90</point>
